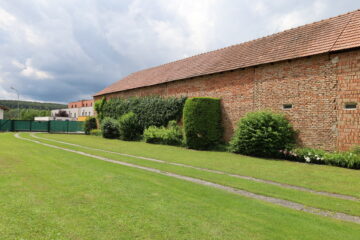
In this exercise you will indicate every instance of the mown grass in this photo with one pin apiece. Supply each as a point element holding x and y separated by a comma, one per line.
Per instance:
<point>47,193</point>
<point>306,198</point>
<point>317,177</point>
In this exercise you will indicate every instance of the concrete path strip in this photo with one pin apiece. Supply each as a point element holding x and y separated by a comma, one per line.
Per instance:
<point>277,201</point>
<point>284,185</point>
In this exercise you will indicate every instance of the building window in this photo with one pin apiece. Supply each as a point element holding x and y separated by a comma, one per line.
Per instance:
<point>287,106</point>
<point>350,105</point>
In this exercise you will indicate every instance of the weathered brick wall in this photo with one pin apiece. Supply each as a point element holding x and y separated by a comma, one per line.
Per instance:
<point>310,84</point>
<point>234,88</point>
<point>348,76</point>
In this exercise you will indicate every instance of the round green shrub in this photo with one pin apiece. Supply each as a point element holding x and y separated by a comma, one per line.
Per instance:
<point>90,124</point>
<point>129,127</point>
<point>202,122</point>
<point>262,134</point>
<point>110,128</point>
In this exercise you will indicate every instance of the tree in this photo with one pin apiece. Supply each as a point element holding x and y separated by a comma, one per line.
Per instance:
<point>61,113</point>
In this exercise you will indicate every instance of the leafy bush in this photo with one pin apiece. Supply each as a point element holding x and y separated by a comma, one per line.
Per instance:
<point>99,106</point>
<point>129,128</point>
<point>151,111</point>
<point>170,136</point>
<point>96,132</point>
<point>343,159</point>
<point>90,124</point>
<point>110,128</point>
<point>262,134</point>
<point>202,122</point>
<point>316,156</point>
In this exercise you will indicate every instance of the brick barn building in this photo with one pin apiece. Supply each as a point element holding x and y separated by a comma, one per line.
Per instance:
<point>311,73</point>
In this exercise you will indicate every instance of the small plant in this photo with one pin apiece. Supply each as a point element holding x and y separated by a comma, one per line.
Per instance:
<point>169,136</point>
<point>129,127</point>
<point>90,124</point>
<point>95,132</point>
<point>356,150</point>
<point>202,123</point>
<point>343,159</point>
<point>307,155</point>
<point>316,156</point>
<point>262,134</point>
<point>110,128</point>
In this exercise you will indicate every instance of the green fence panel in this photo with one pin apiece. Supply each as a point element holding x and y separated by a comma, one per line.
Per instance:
<point>22,125</point>
<point>76,126</point>
<point>58,126</point>
<point>5,125</point>
<point>42,126</point>
<point>39,126</point>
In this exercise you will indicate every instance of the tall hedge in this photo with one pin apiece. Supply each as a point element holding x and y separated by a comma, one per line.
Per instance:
<point>202,122</point>
<point>150,111</point>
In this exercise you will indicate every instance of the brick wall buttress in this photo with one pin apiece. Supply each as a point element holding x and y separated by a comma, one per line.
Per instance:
<point>348,76</point>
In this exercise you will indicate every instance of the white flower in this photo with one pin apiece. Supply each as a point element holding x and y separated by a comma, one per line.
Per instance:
<point>307,159</point>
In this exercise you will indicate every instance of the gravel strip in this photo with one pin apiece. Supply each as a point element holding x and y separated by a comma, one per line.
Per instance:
<point>277,201</point>
<point>284,185</point>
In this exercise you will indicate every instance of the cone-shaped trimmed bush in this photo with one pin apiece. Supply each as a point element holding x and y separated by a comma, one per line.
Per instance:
<point>202,122</point>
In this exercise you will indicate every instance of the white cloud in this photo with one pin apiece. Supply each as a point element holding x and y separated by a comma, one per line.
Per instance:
<point>198,17</point>
<point>259,8</point>
<point>6,19</point>
<point>298,16</point>
<point>29,71</point>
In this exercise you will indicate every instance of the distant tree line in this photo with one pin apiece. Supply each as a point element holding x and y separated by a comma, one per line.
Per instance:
<point>28,110</point>
<point>13,104</point>
<point>26,114</point>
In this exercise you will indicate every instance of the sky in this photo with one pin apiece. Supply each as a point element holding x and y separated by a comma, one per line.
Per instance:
<point>67,50</point>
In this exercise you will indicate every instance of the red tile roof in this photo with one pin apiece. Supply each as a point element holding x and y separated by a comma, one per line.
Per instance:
<point>337,33</point>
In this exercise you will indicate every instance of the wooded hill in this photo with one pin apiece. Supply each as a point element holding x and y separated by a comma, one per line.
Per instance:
<point>13,104</point>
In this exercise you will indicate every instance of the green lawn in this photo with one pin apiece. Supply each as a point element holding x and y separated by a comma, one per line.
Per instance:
<point>47,193</point>
<point>309,199</point>
<point>317,177</point>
